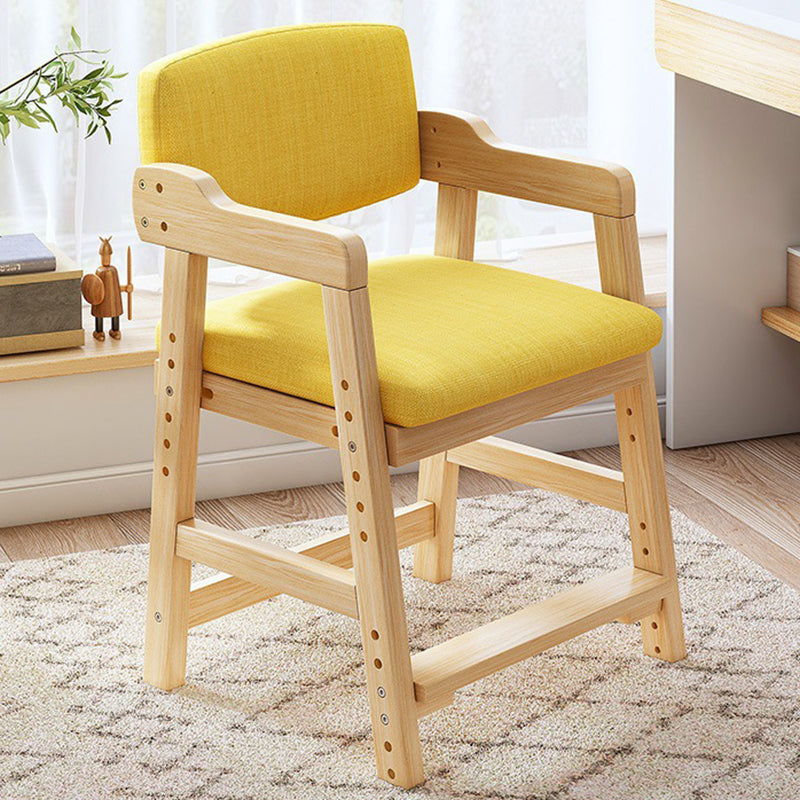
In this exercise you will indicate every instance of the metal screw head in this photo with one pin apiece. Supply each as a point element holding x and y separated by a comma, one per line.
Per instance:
<point>351,446</point>
<point>381,691</point>
<point>170,391</point>
<point>142,184</point>
<point>145,222</point>
<point>157,616</point>
<point>385,719</point>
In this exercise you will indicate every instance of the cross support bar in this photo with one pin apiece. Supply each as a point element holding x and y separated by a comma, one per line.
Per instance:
<point>259,562</point>
<point>441,670</point>
<point>222,594</point>
<point>556,473</point>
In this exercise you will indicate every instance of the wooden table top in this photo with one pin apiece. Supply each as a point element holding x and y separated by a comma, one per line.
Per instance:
<point>748,47</point>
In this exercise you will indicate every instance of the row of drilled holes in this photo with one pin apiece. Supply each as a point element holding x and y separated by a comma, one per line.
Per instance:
<point>159,189</point>
<point>374,635</point>
<point>643,526</point>
<point>171,365</point>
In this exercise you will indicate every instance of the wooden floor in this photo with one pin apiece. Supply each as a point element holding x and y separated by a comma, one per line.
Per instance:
<point>744,492</point>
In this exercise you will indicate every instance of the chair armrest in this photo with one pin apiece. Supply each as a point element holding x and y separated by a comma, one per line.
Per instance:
<point>460,149</point>
<point>183,208</point>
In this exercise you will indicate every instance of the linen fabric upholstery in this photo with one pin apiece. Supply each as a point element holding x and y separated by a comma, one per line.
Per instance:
<point>450,335</point>
<point>309,120</point>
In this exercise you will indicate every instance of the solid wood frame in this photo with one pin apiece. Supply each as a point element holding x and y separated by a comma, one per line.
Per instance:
<point>183,209</point>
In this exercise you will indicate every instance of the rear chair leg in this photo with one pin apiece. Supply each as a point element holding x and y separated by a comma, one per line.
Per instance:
<point>648,510</point>
<point>179,382</point>
<point>372,537</point>
<point>438,483</point>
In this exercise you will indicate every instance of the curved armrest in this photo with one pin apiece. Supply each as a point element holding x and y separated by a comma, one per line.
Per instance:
<point>183,208</point>
<point>460,149</point>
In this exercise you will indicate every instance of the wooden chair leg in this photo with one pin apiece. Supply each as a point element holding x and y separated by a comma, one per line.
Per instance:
<point>376,560</point>
<point>648,510</point>
<point>373,541</point>
<point>175,466</point>
<point>438,483</point>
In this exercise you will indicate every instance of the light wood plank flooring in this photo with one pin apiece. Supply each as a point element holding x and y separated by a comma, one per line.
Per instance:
<point>744,492</point>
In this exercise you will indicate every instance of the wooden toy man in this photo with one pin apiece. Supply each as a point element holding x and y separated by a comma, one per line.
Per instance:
<point>104,292</point>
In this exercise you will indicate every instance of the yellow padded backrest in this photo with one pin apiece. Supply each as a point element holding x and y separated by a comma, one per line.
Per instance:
<point>309,120</point>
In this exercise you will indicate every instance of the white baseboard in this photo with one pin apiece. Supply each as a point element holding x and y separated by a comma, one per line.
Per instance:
<point>123,487</point>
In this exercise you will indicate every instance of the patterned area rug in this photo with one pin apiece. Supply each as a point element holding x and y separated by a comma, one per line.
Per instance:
<point>275,705</point>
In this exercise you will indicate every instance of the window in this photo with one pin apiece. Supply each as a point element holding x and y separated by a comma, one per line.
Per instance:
<point>577,76</point>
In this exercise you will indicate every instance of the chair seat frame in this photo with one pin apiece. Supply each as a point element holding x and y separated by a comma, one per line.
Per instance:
<point>357,571</point>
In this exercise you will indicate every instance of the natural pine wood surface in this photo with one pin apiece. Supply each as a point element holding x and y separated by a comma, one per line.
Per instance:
<point>744,492</point>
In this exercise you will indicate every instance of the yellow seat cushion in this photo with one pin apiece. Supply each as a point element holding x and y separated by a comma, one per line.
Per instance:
<point>450,335</point>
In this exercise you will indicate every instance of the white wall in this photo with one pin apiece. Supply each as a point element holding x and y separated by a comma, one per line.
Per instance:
<point>82,445</point>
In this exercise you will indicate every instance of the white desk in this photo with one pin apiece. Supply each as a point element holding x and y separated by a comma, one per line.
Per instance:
<point>737,209</point>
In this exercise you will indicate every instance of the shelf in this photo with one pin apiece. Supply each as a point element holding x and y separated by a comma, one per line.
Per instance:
<point>783,319</point>
<point>135,349</point>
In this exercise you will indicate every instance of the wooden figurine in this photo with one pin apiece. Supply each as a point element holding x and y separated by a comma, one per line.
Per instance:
<point>102,289</point>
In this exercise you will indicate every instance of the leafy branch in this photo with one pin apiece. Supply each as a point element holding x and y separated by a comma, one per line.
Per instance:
<point>86,96</point>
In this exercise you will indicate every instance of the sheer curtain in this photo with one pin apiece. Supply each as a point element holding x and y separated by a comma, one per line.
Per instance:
<point>576,76</point>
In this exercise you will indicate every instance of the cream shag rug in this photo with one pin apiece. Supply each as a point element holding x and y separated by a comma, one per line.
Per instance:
<point>275,704</point>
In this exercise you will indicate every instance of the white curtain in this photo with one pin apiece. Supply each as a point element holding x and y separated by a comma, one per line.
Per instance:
<point>577,76</point>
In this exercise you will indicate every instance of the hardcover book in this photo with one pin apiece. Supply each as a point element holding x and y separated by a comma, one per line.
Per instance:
<point>23,254</point>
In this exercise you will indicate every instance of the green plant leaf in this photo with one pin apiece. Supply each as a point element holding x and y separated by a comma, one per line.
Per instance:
<point>86,95</point>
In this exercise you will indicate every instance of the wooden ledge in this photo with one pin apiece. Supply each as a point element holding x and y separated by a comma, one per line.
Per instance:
<point>783,319</point>
<point>137,348</point>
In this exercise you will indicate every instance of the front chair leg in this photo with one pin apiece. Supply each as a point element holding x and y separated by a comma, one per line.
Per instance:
<point>438,483</point>
<point>373,540</point>
<point>648,510</point>
<point>179,383</point>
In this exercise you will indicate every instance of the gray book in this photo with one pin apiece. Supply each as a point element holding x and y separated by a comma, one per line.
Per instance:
<point>24,253</point>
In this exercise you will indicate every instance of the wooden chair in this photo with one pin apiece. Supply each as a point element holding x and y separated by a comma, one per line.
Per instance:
<point>302,123</point>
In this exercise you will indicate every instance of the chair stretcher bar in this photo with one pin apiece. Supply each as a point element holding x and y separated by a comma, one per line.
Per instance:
<point>441,670</point>
<point>551,471</point>
<point>222,594</point>
<point>263,563</point>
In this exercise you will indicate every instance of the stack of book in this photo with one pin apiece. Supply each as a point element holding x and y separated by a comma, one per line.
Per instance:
<point>40,297</point>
